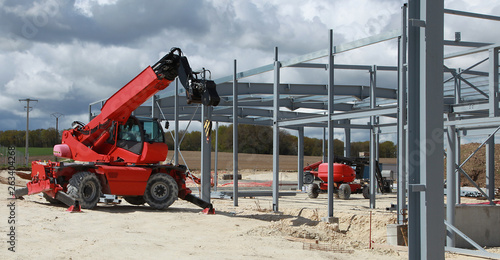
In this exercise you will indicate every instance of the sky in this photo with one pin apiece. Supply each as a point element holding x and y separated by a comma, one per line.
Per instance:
<point>67,54</point>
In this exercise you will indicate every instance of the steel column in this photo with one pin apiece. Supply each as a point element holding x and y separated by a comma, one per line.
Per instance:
<point>176,124</point>
<point>493,84</point>
<point>457,177</point>
<point>458,88</point>
<point>276,131</point>
<point>323,146</point>
<point>300,158</point>
<point>401,162</point>
<point>235,136</point>
<point>451,176</point>
<point>347,139</point>
<point>425,129</point>
<point>205,156</point>
<point>413,164</point>
<point>330,125</point>
<point>154,98</point>
<point>490,168</point>
<point>373,136</point>
<point>216,159</point>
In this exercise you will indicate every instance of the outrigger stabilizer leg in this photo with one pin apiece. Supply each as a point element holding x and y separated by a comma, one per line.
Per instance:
<point>74,205</point>
<point>208,208</point>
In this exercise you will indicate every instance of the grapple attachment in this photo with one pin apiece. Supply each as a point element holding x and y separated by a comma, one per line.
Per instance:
<point>198,91</point>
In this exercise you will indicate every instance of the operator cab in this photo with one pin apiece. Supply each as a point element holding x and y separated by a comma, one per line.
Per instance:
<point>144,137</point>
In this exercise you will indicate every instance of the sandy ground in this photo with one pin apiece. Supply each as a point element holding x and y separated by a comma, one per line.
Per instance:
<point>248,231</point>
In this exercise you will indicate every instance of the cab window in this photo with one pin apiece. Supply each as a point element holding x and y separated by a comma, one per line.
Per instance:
<point>130,132</point>
<point>153,132</point>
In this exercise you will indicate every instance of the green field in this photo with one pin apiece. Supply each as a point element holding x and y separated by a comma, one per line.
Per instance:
<point>36,151</point>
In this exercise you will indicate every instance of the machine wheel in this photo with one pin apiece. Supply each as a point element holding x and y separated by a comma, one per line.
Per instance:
<point>366,192</point>
<point>313,191</point>
<point>50,199</point>
<point>344,191</point>
<point>135,200</point>
<point>86,188</point>
<point>308,178</point>
<point>161,191</point>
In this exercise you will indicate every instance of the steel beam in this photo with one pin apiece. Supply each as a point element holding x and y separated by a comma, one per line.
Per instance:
<point>316,55</point>
<point>247,88</point>
<point>356,114</point>
<point>471,51</point>
<point>483,254</point>
<point>475,123</point>
<point>474,15</point>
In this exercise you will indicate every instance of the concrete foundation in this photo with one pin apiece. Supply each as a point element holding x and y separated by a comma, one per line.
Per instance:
<point>331,220</point>
<point>481,223</point>
<point>397,235</point>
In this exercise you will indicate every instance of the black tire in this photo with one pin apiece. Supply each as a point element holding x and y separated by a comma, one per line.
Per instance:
<point>308,178</point>
<point>135,200</point>
<point>313,191</point>
<point>86,188</point>
<point>161,191</point>
<point>51,200</point>
<point>366,192</point>
<point>344,191</point>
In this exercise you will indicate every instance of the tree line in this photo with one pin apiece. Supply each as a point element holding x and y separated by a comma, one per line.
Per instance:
<point>259,140</point>
<point>251,139</point>
<point>36,138</point>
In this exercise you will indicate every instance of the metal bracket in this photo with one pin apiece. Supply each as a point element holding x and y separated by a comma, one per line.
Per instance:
<point>417,187</point>
<point>417,23</point>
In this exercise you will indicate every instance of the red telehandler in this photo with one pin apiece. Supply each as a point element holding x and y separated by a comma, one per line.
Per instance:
<point>121,154</point>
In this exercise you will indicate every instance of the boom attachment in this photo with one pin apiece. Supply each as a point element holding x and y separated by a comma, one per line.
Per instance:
<point>198,91</point>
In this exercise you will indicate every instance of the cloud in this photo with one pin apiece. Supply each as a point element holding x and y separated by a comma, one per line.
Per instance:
<point>122,22</point>
<point>70,53</point>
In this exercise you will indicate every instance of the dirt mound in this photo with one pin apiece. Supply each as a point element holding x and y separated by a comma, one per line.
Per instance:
<point>353,230</point>
<point>320,231</point>
<point>4,179</point>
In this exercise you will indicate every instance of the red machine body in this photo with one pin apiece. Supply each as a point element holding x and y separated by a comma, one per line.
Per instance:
<point>341,173</point>
<point>120,154</point>
<point>347,177</point>
<point>343,179</point>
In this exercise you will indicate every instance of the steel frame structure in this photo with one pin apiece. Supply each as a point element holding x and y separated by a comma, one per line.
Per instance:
<point>469,99</point>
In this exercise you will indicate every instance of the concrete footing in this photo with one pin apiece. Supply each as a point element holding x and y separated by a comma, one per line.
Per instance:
<point>397,235</point>
<point>481,223</point>
<point>331,220</point>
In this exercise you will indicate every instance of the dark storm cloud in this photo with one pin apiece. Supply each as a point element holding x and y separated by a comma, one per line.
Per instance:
<point>121,23</point>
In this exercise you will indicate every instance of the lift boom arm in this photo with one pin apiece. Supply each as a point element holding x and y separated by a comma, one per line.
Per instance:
<point>120,105</point>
